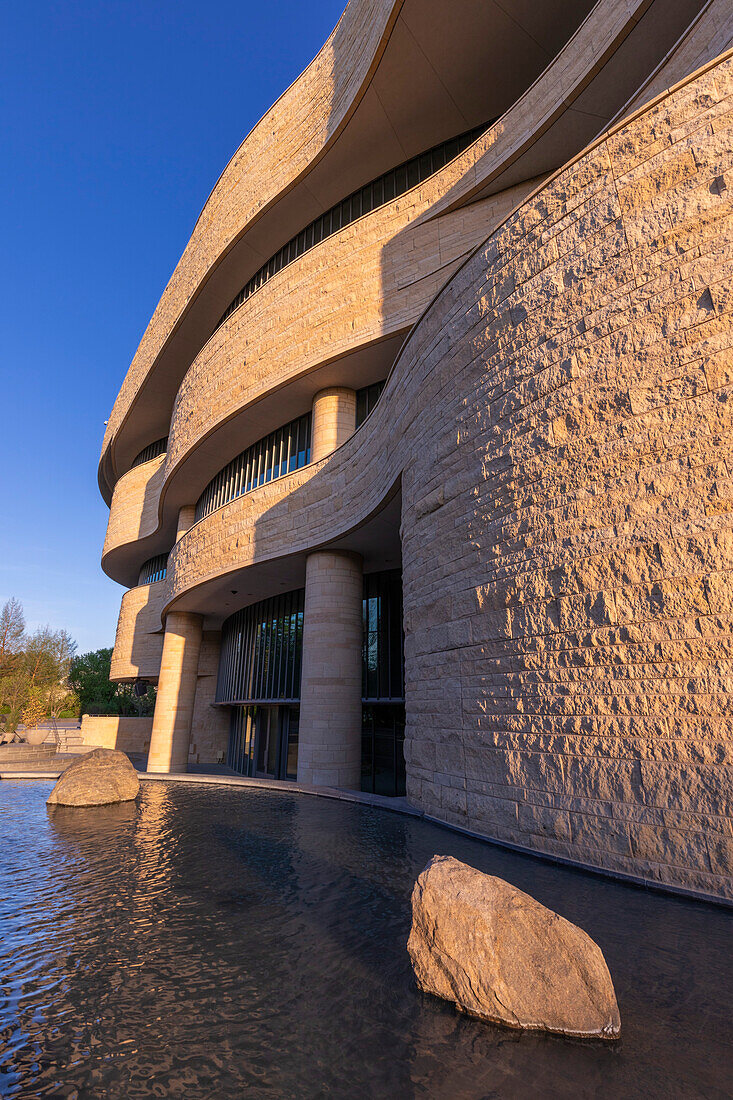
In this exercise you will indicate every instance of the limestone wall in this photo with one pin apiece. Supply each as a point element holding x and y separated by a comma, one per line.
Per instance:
<point>371,283</point>
<point>284,143</point>
<point>560,420</point>
<point>125,734</point>
<point>374,279</point>
<point>139,639</point>
<point>210,723</point>
<point>582,87</point>
<point>568,591</point>
<point>133,513</point>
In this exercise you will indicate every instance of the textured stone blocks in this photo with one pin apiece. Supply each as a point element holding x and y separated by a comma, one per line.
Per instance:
<point>559,424</point>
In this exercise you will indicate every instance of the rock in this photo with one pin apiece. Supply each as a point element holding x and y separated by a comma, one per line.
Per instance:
<point>96,779</point>
<point>501,956</point>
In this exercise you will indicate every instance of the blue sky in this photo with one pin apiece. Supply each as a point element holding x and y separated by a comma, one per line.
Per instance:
<point>116,119</point>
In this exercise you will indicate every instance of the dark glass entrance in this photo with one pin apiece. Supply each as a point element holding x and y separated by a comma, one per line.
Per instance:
<point>383,748</point>
<point>259,676</point>
<point>263,741</point>
<point>383,686</point>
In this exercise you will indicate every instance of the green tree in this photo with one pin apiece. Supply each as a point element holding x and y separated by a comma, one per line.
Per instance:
<point>90,682</point>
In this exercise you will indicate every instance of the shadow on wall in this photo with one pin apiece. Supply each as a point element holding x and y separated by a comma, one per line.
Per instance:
<point>138,645</point>
<point>560,419</point>
<point>403,275</point>
<point>114,732</point>
<point>148,523</point>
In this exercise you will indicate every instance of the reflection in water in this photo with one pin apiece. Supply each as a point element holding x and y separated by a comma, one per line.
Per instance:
<point>209,942</point>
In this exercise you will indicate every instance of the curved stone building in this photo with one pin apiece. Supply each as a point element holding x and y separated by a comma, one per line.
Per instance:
<point>421,478</point>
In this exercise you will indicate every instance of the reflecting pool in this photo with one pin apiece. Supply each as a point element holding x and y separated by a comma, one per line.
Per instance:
<point>215,942</point>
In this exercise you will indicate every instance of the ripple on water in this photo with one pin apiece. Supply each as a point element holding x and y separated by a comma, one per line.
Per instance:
<point>212,942</point>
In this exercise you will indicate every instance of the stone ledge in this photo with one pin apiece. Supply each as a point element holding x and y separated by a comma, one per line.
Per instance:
<point>402,806</point>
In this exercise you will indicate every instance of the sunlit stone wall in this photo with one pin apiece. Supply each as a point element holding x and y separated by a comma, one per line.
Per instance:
<point>567,534</point>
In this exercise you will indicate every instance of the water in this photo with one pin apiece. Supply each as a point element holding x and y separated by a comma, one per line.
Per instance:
<point>215,942</point>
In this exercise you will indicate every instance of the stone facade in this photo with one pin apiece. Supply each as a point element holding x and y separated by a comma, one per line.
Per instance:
<point>330,697</point>
<point>569,647</point>
<point>210,724</point>
<point>139,638</point>
<point>556,432</point>
<point>112,732</point>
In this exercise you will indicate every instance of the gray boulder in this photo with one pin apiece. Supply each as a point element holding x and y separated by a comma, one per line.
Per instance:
<point>498,954</point>
<point>96,779</point>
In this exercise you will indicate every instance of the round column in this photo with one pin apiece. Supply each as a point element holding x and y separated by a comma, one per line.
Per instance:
<point>176,692</point>
<point>329,744</point>
<point>334,420</point>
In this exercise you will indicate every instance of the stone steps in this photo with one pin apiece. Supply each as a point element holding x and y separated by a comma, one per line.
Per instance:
<point>69,740</point>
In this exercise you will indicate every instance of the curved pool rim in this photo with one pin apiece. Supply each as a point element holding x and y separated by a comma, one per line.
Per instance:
<point>402,806</point>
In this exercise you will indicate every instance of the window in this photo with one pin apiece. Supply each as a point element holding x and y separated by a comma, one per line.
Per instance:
<point>374,194</point>
<point>154,569</point>
<point>282,451</point>
<point>366,399</point>
<point>261,648</point>
<point>151,451</point>
<point>383,668</point>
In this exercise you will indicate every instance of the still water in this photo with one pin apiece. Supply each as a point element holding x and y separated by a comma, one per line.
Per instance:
<point>215,942</point>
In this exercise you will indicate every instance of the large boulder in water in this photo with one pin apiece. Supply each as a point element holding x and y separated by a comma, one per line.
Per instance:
<point>96,779</point>
<point>501,956</point>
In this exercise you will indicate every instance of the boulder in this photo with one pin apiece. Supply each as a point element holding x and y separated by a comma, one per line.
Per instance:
<point>96,779</point>
<point>498,954</point>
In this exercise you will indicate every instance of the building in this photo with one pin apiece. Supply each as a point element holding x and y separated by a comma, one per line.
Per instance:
<point>421,476</point>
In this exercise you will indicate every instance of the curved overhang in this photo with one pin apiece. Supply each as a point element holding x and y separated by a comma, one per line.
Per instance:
<point>374,279</point>
<point>393,79</point>
<point>708,36</point>
<point>133,514</point>
<point>554,408</point>
<point>138,645</point>
<point>258,400</point>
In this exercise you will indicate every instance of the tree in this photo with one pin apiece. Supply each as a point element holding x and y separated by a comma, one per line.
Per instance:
<point>14,691</point>
<point>89,680</point>
<point>34,710</point>
<point>62,649</point>
<point>33,670</point>
<point>12,633</point>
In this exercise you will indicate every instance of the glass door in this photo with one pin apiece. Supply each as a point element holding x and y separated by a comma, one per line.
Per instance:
<point>289,722</point>
<point>276,750</point>
<point>265,747</point>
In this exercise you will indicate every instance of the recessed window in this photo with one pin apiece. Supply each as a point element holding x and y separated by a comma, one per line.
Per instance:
<point>374,194</point>
<point>366,399</point>
<point>151,451</point>
<point>261,649</point>
<point>282,451</point>
<point>154,569</point>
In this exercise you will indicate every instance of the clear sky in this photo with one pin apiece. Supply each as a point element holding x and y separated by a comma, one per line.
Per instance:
<point>116,118</point>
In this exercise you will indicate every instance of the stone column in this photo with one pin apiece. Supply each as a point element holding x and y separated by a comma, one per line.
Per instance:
<point>185,520</point>
<point>334,420</point>
<point>329,748</point>
<point>176,693</point>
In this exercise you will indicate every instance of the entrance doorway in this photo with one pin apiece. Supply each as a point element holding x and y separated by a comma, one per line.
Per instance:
<point>263,741</point>
<point>276,742</point>
<point>383,748</point>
